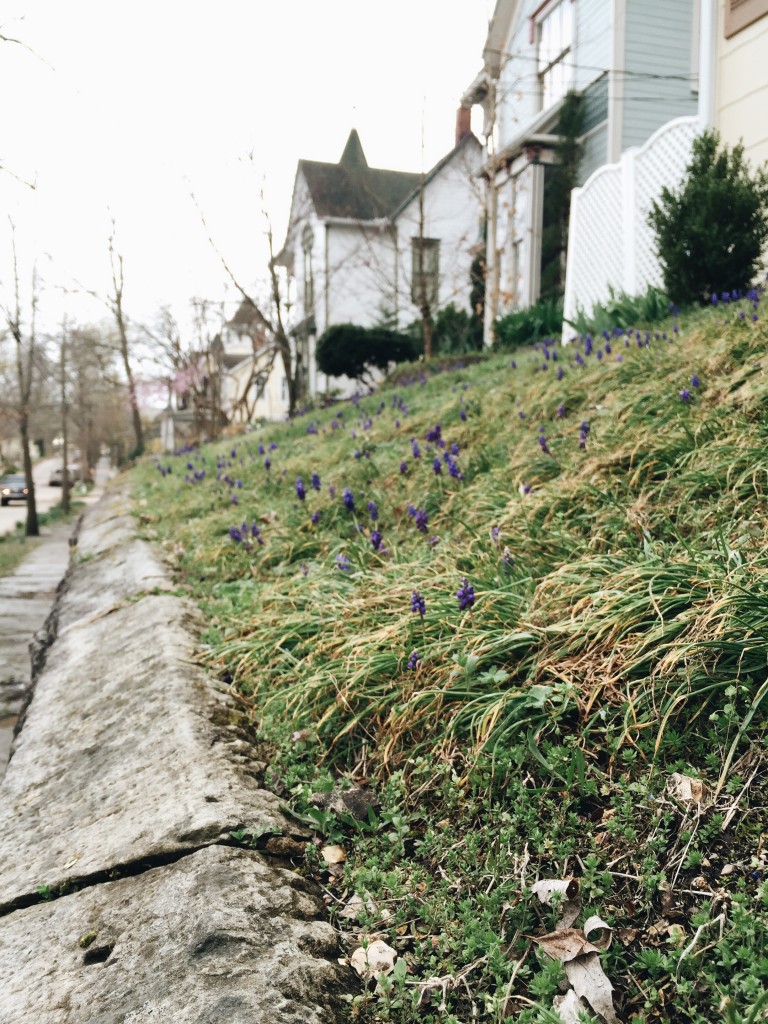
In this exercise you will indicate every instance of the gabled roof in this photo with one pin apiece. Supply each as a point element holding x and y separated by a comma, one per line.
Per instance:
<point>468,141</point>
<point>352,189</point>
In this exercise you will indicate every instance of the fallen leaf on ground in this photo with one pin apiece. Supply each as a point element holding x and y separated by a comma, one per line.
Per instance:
<point>590,982</point>
<point>333,854</point>
<point>597,932</point>
<point>568,1007</point>
<point>566,944</point>
<point>570,908</point>
<point>686,789</point>
<point>373,961</point>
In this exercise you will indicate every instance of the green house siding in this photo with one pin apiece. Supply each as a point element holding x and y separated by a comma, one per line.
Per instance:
<point>658,80</point>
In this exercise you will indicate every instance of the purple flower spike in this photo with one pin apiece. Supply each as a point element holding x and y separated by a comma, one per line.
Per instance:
<point>373,510</point>
<point>465,595</point>
<point>315,517</point>
<point>422,520</point>
<point>376,539</point>
<point>348,499</point>
<point>413,661</point>
<point>315,482</point>
<point>403,467</point>
<point>235,534</point>
<point>300,491</point>
<point>436,466</point>
<point>343,563</point>
<point>418,605</point>
<point>462,414</point>
<point>415,448</point>
<point>685,395</point>
<point>695,382</point>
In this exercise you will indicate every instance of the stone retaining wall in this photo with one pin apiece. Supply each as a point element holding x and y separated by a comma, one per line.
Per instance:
<point>122,894</point>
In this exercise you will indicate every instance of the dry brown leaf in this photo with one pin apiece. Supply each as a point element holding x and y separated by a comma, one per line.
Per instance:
<point>353,908</point>
<point>597,932</point>
<point>686,789</point>
<point>570,908</point>
<point>371,962</point>
<point>590,982</point>
<point>333,854</point>
<point>565,944</point>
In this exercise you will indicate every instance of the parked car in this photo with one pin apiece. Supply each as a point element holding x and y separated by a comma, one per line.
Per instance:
<point>57,476</point>
<point>13,488</point>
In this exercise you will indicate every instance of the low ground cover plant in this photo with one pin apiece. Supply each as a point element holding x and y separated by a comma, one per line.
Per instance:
<point>501,626</point>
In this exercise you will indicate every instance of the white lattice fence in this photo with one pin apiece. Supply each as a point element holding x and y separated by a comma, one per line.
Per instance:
<point>610,244</point>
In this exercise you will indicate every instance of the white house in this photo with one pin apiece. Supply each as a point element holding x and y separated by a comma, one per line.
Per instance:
<point>635,64</point>
<point>356,234</point>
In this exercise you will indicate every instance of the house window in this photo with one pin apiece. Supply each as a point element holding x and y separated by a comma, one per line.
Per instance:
<point>740,13</point>
<point>307,241</point>
<point>425,270</point>
<point>555,42</point>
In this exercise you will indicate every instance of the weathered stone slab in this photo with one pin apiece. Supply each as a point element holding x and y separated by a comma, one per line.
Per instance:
<point>218,936</point>
<point>106,525</point>
<point>117,760</point>
<point>119,574</point>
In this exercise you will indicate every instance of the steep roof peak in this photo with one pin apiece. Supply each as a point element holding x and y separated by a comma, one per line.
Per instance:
<point>353,155</point>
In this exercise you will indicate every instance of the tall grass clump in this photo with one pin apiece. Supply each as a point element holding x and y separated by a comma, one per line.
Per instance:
<point>514,603</point>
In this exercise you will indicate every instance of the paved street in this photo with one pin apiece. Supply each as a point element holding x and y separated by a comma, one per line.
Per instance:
<point>48,496</point>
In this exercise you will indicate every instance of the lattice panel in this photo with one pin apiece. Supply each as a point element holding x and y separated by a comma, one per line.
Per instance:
<point>604,251</point>
<point>661,162</point>
<point>596,243</point>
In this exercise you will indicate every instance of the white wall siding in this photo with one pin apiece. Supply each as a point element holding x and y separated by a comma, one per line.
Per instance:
<point>657,80</point>
<point>452,214</point>
<point>593,41</point>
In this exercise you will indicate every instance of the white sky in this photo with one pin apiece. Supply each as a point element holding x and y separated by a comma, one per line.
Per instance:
<point>130,107</point>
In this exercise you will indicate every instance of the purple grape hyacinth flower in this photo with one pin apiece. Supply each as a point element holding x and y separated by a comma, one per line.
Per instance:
<point>376,539</point>
<point>373,510</point>
<point>465,595</point>
<point>315,482</point>
<point>300,491</point>
<point>422,520</point>
<point>695,382</point>
<point>343,563</point>
<point>403,467</point>
<point>685,395</point>
<point>348,499</point>
<point>436,465</point>
<point>413,661</point>
<point>418,604</point>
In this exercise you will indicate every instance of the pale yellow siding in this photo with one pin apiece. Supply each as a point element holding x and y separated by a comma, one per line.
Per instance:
<point>742,87</point>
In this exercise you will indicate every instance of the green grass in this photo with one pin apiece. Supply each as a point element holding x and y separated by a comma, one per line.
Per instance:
<point>619,634</point>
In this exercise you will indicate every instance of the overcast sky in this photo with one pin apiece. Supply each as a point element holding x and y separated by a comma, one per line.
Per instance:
<point>125,109</point>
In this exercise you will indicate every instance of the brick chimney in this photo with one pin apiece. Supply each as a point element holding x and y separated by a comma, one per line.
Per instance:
<point>463,123</point>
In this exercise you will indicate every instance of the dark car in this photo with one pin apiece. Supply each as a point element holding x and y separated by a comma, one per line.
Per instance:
<point>13,488</point>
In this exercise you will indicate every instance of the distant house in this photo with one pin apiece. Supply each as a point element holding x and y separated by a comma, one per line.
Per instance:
<point>635,64</point>
<point>357,235</point>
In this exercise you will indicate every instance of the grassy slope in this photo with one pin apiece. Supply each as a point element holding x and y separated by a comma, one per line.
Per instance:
<point>618,634</point>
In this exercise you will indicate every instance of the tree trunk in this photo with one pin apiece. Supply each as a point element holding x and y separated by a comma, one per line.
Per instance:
<point>64,426</point>
<point>32,527</point>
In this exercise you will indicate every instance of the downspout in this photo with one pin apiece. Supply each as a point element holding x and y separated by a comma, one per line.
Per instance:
<point>707,63</point>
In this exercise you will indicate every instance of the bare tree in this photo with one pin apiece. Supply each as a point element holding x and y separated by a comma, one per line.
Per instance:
<point>115,303</point>
<point>25,363</point>
<point>270,317</point>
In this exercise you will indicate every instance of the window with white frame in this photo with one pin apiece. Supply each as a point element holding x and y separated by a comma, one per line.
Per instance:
<point>554,32</point>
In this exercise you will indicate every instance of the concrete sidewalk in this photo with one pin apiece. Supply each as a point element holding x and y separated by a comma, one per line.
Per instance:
<point>26,599</point>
